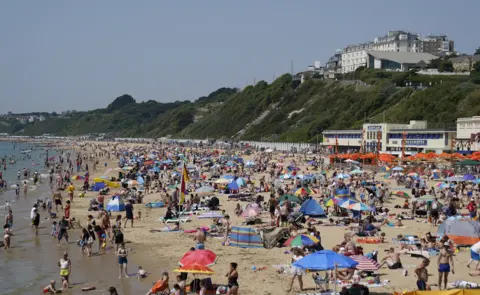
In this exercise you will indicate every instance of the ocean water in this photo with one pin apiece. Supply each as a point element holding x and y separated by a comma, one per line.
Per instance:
<point>31,262</point>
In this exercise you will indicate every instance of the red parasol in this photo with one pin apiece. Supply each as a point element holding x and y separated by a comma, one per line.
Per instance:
<point>202,257</point>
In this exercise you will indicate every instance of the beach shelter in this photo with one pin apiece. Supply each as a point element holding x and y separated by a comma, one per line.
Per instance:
<point>116,204</point>
<point>462,232</point>
<point>245,237</point>
<point>312,208</point>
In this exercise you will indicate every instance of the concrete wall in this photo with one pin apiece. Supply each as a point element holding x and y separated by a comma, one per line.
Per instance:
<point>279,146</point>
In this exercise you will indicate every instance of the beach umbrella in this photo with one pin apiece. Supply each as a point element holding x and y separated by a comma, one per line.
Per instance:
<point>454,178</point>
<point>398,168</point>
<point>329,202</point>
<point>304,191</point>
<point>285,176</point>
<point>442,185</point>
<point>205,191</point>
<point>340,193</point>
<point>126,168</point>
<point>228,176</point>
<point>365,263</point>
<point>351,161</point>
<point>77,177</point>
<point>233,186</point>
<point>357,171</point>
<point>359,207</point>
<point>325,260</point>
<point>291,198</point>
<point>196,269</point>
<point>346,204</point>
<point>300,241</point>
<point>468,177</point>
<point>201,257</point>
<point>413,174</point>
<point>342,176</point>
<point>401,194</point>
<point>477,180</point>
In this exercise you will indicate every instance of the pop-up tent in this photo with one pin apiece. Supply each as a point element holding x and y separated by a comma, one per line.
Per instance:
<point>462,232</point>
<point>245,237</point>
<point>312,208</point>
<point>116,204</point>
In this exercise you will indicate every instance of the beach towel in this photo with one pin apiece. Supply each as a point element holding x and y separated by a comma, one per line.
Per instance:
<point>464,285</point>
<point>369,240</point>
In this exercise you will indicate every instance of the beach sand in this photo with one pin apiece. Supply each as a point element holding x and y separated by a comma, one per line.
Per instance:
<point>157,252</point>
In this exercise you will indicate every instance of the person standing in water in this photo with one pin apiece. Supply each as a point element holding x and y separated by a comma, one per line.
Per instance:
<point>6,236</point>
<point>65,269</point>
<point>445,265</point>
<point>9,219</point>
<point>122,260</point>
<point>36,221</point>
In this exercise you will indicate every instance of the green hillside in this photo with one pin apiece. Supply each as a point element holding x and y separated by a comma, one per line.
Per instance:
<point>284,110</point>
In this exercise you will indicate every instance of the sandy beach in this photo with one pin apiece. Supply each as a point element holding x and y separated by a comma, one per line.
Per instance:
<point>161,251</point>
<point>158,252</point>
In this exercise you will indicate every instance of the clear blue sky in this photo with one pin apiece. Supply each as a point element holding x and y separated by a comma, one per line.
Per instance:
<point>63,55</point>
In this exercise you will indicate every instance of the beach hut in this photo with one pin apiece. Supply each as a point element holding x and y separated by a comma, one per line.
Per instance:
<point>312,208</point>
<point>245,237</point>
<point>116,204</point>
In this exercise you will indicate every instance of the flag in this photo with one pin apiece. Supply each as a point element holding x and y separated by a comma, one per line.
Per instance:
<point>183,185</point>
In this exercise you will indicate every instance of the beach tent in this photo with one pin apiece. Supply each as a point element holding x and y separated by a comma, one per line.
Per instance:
<point>462,232</point>
<point>245,237</point>
<point>98,186</point>
<point>312,208</point>
<point>116,204</point>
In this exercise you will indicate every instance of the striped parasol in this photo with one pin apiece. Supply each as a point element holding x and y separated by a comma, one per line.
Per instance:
<point>365,263</point>
<point>195,268</point>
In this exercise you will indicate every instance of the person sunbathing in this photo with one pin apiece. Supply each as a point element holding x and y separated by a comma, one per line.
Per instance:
<point>346,274</point>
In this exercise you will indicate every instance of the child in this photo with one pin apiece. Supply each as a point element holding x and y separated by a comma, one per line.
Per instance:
<point>141,274</point>
<point>139,217</point>
<point>54,229</point>
<point>118,221</point>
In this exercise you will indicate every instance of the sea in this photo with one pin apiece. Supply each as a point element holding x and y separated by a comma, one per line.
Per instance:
<point>31,262</point>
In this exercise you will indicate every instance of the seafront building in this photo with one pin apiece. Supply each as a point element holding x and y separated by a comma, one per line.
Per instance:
<point>468,135</point>
<point>395,43</point>
<point>389,137</point>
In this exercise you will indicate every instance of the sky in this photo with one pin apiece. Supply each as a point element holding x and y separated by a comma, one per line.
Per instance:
<point>81,55</point>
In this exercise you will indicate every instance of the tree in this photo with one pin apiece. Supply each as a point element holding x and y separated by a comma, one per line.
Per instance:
<point>476,67</point>
<point>477,51</point>
<point>435,63</point>
<point>446,66</point>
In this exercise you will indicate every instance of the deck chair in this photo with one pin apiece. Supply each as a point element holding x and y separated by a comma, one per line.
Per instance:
<point>320,282</point>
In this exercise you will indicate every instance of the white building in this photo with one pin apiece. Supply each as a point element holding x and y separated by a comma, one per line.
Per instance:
<point>468,134</point>
<point>355,56</point>
<point>389,137</point>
